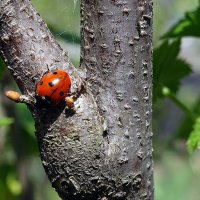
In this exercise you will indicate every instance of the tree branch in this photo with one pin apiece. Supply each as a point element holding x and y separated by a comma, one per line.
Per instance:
<point>103,149</point>
<point>116,47</point>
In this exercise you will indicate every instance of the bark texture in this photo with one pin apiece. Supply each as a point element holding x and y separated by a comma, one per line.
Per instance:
<point>103,149</point>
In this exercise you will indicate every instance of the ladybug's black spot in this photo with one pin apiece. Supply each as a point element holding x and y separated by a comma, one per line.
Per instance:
<point>61,93</point>
<point>55,72</point>
<point>51,84</point>
<point>41,82</point>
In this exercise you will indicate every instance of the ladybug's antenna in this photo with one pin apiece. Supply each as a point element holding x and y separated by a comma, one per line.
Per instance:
<point>48,68</point>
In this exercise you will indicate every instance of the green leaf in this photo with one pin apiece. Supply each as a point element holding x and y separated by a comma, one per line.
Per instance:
<point>187,26</point>
<point>168,70</point>
<point>14,185</point>
<point>194,138</point>
<point>6,121</point>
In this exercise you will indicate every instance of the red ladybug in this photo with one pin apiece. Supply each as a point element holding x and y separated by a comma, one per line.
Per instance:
<point>53,87</point>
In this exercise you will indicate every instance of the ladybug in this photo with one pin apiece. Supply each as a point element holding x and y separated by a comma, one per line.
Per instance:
<point>53,87</point>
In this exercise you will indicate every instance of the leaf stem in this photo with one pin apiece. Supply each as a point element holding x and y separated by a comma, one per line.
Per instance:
<point>166,92</point>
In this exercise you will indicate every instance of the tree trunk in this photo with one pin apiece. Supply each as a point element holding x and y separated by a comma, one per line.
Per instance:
<point>102,150</point>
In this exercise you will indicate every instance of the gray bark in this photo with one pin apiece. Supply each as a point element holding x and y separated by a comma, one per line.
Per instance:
<point>102,150</point>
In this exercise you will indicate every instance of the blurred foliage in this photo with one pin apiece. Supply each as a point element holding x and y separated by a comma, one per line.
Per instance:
<point>168,69</point>
<point>188,121</point>
<point>167,13</point>
<point>21,172</point>
<point>177,177</point>
<point>66,36</point>
<point>62,15</point>
<point>5,121</point>
<point>174,175</point>
<point>187,26</point>
<point>194,138</point>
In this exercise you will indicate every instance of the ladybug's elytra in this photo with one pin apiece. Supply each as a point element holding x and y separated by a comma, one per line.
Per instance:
<point>53,87</point>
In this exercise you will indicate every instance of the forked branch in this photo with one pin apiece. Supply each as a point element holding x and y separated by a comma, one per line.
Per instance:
<point>102,150</point>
